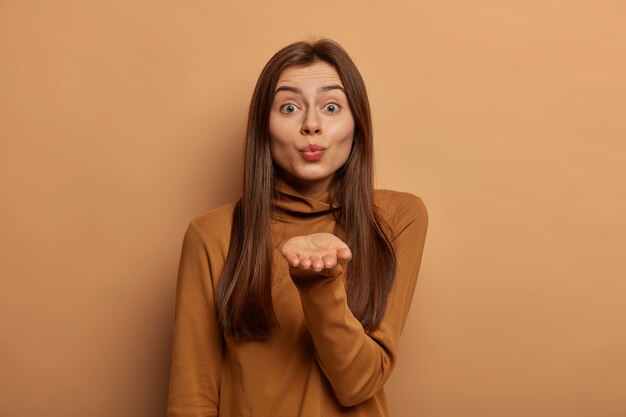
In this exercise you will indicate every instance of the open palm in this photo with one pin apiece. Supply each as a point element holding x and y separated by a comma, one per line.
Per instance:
<point>316,251</point>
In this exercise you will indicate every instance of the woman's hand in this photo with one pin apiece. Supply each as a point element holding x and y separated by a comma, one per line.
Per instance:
<point>316,251</point>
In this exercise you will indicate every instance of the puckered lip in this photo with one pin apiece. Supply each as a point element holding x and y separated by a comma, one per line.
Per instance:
<point>313,148</point>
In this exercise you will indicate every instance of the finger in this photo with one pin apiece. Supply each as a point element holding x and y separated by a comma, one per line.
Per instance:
<point>287,250</point>
<point>290,256</point>
<point>305,262</point>
<point>292,259</point>
<point>329,260</point>
<point>344,254</point>
<point>317,264</point>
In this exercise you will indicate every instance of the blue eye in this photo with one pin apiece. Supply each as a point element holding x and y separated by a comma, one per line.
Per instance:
<point>288,108</point>
<point>332,107</point>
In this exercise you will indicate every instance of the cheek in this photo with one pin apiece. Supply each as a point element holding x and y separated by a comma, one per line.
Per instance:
<point>273,126</point>
<point>348,140</point>
<point>280,129</point>
<point>277,135</point>
<point>343,147</point>
<point>279,144</point>
<point>346,147</point>
<point>344,134</point>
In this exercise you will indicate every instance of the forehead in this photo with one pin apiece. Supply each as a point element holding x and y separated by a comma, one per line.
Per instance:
<point>319,72</point>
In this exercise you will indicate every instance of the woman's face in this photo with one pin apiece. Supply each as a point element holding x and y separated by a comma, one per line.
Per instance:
<point>311,127</point>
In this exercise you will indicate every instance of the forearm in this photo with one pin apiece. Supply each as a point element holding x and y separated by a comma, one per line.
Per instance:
<point>355,364</point>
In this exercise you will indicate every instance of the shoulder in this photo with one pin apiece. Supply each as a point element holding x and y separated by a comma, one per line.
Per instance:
<point>215,219</point>
<point>394,203</point>
<point>214,226</point>
<point>400,208</point>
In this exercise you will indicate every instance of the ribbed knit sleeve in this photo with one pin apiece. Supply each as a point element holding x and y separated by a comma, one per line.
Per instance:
<point>197,342</point>
<point>356,363</point>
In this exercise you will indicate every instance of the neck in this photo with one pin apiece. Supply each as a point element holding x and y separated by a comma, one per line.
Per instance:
<point>311,189</point>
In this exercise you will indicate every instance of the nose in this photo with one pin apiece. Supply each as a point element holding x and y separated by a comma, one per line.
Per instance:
<point>311,125</point>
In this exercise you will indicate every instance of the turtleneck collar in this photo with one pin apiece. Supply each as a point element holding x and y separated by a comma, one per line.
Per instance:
<point>290,201</point>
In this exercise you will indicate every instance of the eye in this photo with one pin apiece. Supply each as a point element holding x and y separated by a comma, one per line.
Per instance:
<point>332,107</point>
<point>288,108</point>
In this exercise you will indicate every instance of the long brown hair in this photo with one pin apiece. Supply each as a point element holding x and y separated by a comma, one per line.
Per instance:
<point>244,298</point>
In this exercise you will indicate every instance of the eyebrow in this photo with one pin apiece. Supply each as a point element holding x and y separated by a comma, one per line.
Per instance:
<point>321,89</point>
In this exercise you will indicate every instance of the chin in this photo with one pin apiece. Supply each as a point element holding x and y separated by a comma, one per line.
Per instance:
<point>311,176</point>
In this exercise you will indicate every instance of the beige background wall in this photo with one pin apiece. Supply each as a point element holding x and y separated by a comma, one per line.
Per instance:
<point>121,120</point>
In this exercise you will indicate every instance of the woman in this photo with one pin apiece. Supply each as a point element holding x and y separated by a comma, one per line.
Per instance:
<point>291,301</point>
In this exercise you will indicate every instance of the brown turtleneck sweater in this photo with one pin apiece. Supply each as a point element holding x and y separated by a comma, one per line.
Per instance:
<point>320,362</point>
